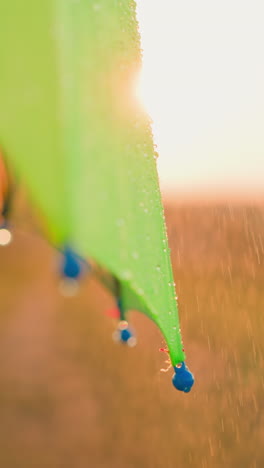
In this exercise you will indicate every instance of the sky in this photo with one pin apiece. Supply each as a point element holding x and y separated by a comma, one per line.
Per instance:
<point>202,83</point>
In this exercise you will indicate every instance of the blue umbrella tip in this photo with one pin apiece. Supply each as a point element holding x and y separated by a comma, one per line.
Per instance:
<point>124,334</point>
<point>72,265</point>
<point>183,379</point>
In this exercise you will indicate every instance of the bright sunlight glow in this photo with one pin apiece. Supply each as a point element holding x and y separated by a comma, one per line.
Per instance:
<point>202,84</point>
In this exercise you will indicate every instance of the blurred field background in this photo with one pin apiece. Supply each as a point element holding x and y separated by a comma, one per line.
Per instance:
<point>71,398</point>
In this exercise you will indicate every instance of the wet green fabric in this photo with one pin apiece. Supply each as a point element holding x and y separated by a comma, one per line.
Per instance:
<point>73,131</point>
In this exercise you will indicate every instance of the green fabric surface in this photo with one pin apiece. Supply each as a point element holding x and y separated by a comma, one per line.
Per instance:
<point>75,134</point>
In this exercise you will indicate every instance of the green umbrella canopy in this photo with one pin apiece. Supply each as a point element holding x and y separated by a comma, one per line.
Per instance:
<point>72,129</point>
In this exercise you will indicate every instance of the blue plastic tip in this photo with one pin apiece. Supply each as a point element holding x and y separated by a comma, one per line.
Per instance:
<point>183,379</point>
<point>125,335</point>
<point>72,264</point>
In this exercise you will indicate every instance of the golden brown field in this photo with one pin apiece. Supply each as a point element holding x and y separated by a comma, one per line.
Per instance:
<point>71,398</point>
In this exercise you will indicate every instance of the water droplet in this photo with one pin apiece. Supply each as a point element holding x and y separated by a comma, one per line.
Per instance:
<point>132,342</point>
<point>5,237</point>
<point>120,222</point>
<point>127,274</point>
<point>123,325</point>
<point>135,255</point>
<point>116,336</point>
<point>68,287</point>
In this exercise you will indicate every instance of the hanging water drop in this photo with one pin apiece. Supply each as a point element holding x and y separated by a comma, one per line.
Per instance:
<point>5,237</point>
